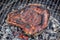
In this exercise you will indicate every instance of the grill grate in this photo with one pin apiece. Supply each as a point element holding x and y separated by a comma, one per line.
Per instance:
<point>53,6</point>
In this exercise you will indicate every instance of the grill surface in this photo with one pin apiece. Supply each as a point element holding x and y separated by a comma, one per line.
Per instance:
<point>53,6</point>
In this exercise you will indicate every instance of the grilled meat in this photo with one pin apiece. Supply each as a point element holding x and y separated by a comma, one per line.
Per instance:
<point>32,19</point>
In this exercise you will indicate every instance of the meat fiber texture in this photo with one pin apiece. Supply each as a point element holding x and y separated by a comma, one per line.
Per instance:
<point>32,19</point>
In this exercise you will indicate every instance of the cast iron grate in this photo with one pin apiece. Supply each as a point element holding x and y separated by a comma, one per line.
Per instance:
<point>53,6</point>
<point>6,6</point>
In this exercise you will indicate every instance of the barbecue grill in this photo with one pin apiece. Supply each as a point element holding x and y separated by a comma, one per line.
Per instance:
<point>50,33</point>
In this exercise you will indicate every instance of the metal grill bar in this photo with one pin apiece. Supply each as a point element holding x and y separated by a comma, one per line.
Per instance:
<point>5,13</point>
<point>6,10</point>
<point>56,7</point>
<point>4,4</point>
